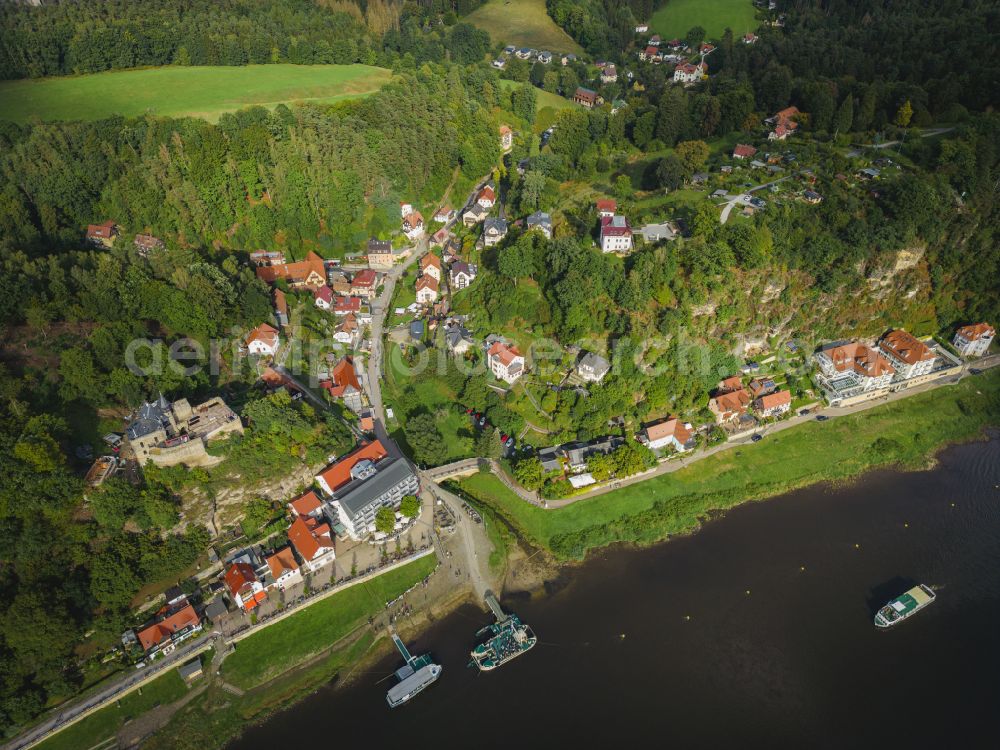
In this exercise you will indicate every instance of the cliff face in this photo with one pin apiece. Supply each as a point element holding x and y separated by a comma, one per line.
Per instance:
<point>751,309</point>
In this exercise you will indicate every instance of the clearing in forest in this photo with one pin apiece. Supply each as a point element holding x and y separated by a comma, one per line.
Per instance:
<point>523,23</point>
<point>678,17</point>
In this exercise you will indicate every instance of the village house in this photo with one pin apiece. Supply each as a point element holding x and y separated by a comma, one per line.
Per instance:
<point>309,273</point>
<point>851,367</point>
<point>494,230</point>
<point>347,330</point>
<point>773,404</point>
<point>245,589</point>
<point>641,28</point>
<point>761,387</point>
<point>462,274</point>
<point>750,38</point>
<point>606,207</point>
<point>706,49</point>
<point>174,623</point>
<point>592,367</point>
<point>284,569</point>
<point>743,151</point>
<point>364,284</point>
<point>666,230</point>
<point>280,308</point>
<point>380,253</point>
<point>413,225</point>
<point>587,98</point>
<point>668,433</point>
<point>102,235</point>
<point>427,290</point>
<point>506,138</point>
<point>263,340</point>
<point>486,197</point>
<point>654,40</point>
<point>346,305</point>
<point>312,541</point>
<point>444,215</point>
<point>690,73</point>
<point>974,340</point>
<point>147,243</point>
<point>430,265</point>
<point>506,361</point>
<point>910,357</point>
<point>362,482</point>
<point>343,384</point>
<point>783,123</point>
<point>540,221</point>
<point>609,74</point>
<point>267,258</point>
<point>616,235</point>
<point>544,57</point>
<point>812,197</point>
<point>457,338</point>
<point>650,54</point>
<point>306,504</point>
<point>729,405</point>
<point>474,214</point>
<point>323,298</point>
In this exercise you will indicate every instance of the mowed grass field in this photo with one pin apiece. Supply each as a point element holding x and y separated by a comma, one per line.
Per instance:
<point>842,448</point>
<point>677,17</point>
<point>204,92</point>
<point>523,23</point>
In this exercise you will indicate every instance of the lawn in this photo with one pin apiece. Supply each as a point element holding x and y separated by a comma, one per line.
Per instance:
<point>277,649</point>
<point>106,722</point>
<point>677,17</point>
<point>547,105</point>
<point>523,23</point>
<point>175,91</point>
<point>841,448</point>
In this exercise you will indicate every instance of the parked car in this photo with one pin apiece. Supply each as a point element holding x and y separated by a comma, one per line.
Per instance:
<point>803,412</point>
<point>975,371</point>
<point>509,442</point>
<point>756,438</point>
<point>821,417</point>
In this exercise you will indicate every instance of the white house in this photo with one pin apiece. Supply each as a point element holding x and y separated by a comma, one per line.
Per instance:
<point>494,230</point>
<point>616,234</point>
<point>312,541</point>
<point>284,569</point>
<point>609,74</point>
<point>430,265</point>
<point>854,367</point>
<point>245,589</point>
<point>773,404</point>
<point>506,138</point>
<point>323,297</point>
<point>909,356</point>
<point>413,225</point>
<point>462,274</point>
<point>487,197</point>
<point>974,340</point>
<point>540,221</point>
<point>506,361</point>
<point>263,340</point>
<point>666,433</point>
<point>690,73</point>
<point>427,290</point>
<point>592,367</point>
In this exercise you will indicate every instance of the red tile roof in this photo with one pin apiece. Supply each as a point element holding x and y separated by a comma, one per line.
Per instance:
<point>103,231</point>
<point>666,428</point>
<point>773,400</point>
<point>281,562</point>
<point>305,504</point>
<point>430,260</point>
<point>280,303</point>
<point>295,273</point>
<point>744,151</point>
<point>264,333</point>
<point>347,304</point>
<point>324,293</point>
<point>339,474</point>
<point>342,376</point>
<point>487,193</point>
<point>860,358</point>
<point>976,331</point>
<point>239,575</point>
<point>427,282</point>
<point>906,347</point>
<point>506,354</point>
<point>364,279</point>
<point>157,633</point>
<point>732,383</point>
<point>309,537</point>
<point>607,204</point>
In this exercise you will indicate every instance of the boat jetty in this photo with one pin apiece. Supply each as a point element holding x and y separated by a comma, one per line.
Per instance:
<point>418,673</point>
<point>507,638</point>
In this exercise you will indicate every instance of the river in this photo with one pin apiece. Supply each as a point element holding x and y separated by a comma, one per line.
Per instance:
<point>755,631</point>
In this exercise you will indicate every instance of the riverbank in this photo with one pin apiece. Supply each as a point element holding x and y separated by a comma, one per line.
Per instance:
<point>906,433</point>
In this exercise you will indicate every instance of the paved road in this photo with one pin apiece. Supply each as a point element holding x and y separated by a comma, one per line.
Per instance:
<point>738,199</point>
<point>474,554</point>
<point>928,133</point>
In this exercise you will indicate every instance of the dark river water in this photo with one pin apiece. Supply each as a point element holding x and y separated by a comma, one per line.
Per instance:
<point>794,663</point>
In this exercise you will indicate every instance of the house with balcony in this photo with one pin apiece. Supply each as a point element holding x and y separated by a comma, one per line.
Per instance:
<point>910,356</point>
<point>506,361</point>
<point>974,340</point>
<point>848,369</point>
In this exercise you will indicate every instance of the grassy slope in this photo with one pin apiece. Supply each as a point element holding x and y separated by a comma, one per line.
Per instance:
<point>106,722</point>
<point>181,91</point>
<point>677,17</point>
<point>814,452</point>
<point>524,23</point>
<point>282,646</point>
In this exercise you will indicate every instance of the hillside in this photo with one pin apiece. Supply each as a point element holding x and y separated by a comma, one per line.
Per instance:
<point>175,91</point>
<point>676,17</point>
<point>524,23</point>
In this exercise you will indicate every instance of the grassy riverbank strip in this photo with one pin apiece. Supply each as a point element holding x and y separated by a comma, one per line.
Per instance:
<point>903,433</point>
<point>274,650</point>
<point>103,724</point>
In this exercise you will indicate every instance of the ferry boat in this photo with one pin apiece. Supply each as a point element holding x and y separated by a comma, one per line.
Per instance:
<point>904,605</point>
<point>508,639</point>
<point>418,673</point>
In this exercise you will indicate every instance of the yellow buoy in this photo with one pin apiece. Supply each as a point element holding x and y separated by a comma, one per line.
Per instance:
<point>802,567</point>
<point>857,546</point>
<point>748,592</point>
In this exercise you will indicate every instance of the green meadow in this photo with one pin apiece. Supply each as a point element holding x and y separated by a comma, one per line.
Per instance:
<point>524,23</point>
<point>174,91</point>
<point>677,17</point>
